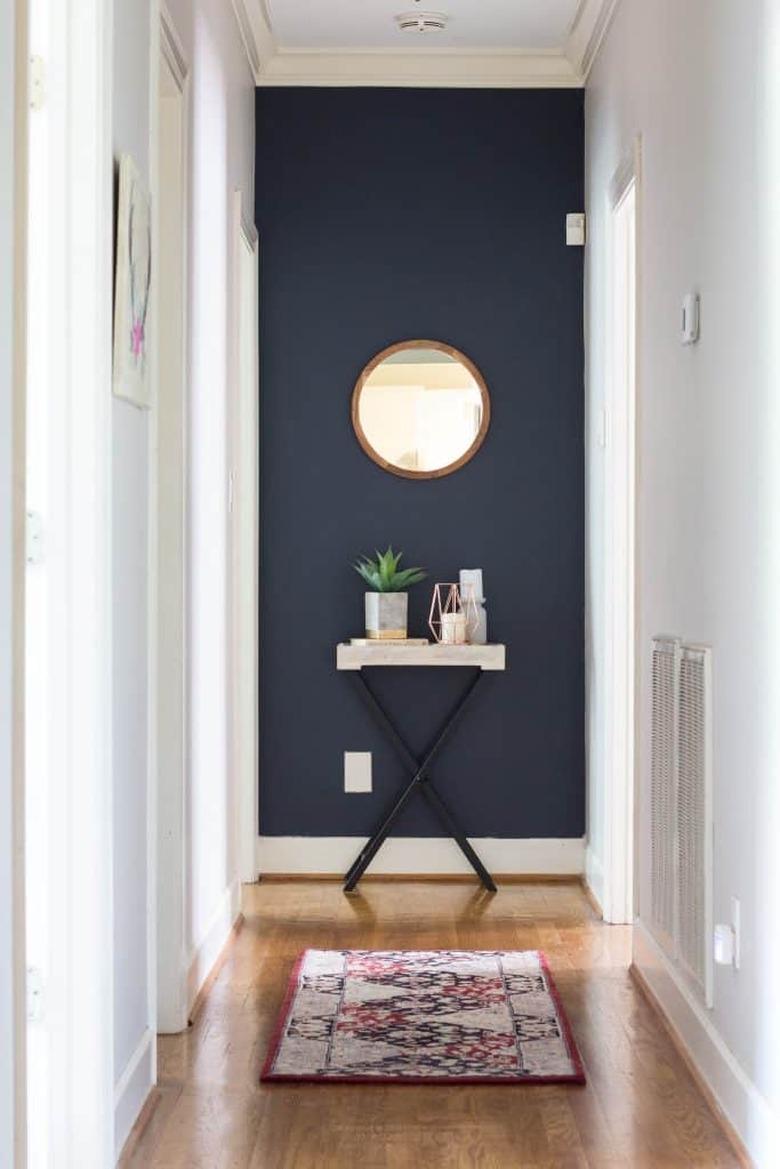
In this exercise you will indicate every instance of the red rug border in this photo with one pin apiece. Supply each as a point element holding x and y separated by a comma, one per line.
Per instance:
<point>267,1076</point>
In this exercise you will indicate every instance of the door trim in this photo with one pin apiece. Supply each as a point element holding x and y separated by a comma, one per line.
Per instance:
<point>622,542</point>
<point>167,868</point>
<point>244,540</point>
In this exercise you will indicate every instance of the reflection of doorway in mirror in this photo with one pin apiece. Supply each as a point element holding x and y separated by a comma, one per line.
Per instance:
<point>446,422</point>
<point>421,416</point>
<point>420,409</point>
<point>387,415</point>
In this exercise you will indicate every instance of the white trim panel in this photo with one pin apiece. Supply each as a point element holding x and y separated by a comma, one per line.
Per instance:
<point>594,875</point>
<point>741,1102</point>
<point>205,954</point>
<point>430,855</point>
<point>132,1088</point>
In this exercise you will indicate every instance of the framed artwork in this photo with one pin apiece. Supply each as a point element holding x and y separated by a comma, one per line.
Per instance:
<point>133,283</point>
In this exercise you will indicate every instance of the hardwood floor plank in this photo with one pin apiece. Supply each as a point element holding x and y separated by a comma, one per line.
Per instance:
<point>640,1109</point>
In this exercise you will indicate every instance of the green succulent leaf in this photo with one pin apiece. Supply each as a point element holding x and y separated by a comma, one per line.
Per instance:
<point>382,575</point>
<point>408,577</point>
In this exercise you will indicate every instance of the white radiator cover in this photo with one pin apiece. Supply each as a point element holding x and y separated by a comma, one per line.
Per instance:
<point>681,808</point>
<point>663,787</point>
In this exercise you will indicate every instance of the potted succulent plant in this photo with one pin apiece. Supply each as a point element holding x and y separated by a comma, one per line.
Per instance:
<point>387,605</point>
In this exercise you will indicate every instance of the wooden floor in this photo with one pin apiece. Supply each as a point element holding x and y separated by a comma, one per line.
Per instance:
<point>640,1107</point>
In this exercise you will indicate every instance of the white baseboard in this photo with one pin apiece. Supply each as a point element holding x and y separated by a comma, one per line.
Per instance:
<point>132,1089</point>
<point>301,855</point>
<point>743,1106</point>
<point>594,875</point>
<point>205,953</point>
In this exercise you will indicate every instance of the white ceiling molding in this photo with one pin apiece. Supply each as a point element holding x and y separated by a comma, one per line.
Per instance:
<point>566,67</point>
<point>255,33</point>
<point>588,30</point>
<point>445,69</point>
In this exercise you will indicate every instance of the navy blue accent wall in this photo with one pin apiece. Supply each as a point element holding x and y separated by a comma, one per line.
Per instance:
<point>390,214</point>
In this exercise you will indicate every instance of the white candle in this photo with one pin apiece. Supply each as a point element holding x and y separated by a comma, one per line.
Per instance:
<point>453,628</point>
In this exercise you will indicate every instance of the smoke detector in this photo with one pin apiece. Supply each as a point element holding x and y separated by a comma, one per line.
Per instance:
<point>422,22</point>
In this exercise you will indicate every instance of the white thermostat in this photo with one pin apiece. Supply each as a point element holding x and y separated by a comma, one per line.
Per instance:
<point>689,325</point>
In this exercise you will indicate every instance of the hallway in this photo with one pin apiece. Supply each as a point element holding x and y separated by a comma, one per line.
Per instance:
<point>640,1108</point>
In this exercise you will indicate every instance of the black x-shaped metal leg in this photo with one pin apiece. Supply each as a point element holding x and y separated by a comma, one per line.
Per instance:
<point>420,781</point>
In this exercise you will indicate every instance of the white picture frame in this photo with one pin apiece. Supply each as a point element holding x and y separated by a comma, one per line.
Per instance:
<point>131,372</point>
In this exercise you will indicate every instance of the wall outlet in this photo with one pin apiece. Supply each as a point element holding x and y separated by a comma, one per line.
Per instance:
<point>723,945</point>
<point>727,939</point>
<point>357,771</point>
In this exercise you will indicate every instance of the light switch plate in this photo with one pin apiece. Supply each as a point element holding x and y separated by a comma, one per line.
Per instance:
<point>689,322</point>
<point>575,229</point>
<point>357,771</point>
<point>736,927</point>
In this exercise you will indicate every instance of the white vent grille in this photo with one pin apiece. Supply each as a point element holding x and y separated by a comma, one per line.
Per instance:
<point>694,819</point>
<point>681,808</point>
<point>422,22</point>
<point>663,786</point>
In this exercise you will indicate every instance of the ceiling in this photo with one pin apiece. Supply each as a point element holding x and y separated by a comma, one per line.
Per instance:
<point>487,43</point>
<point>369,24</point>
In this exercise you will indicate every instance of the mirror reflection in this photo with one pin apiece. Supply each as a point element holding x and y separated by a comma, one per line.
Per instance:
<point>420,409</point>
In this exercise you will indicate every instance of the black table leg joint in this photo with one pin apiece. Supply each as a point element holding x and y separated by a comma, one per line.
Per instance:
<point>420,780</point>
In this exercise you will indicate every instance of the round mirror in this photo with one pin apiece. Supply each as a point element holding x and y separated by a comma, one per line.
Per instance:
<point>420,409</point>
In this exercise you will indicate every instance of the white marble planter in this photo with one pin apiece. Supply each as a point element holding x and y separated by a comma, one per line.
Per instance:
<point>386,616</point>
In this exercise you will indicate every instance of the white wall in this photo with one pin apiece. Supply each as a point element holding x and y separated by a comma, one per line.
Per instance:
<point>221,159</point>
<point>11,457</point>
<point>701,82</point>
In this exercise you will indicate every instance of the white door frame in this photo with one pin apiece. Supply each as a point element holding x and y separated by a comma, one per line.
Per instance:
<point>243,436</point>
<point>13,237</point>
<point>621,482</point>
<point>75,419</point>
<point>168,589</point>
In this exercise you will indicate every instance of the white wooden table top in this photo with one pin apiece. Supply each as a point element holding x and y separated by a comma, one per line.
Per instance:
<point>384,653</point>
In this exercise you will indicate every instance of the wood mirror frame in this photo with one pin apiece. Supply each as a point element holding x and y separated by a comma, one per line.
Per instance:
<point>456,355</point>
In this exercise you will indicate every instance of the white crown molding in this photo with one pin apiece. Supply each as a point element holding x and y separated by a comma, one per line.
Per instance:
<point>566,67</point>
<point>588,29</point>
<point>255,33</point>
<point>172,48</point>
<point>420,70</point>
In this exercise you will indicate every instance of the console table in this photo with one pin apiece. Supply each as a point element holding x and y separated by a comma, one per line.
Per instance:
<point>355,660</point>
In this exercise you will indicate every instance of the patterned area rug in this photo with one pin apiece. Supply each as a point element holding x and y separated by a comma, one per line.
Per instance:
<point>430,1016</point>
